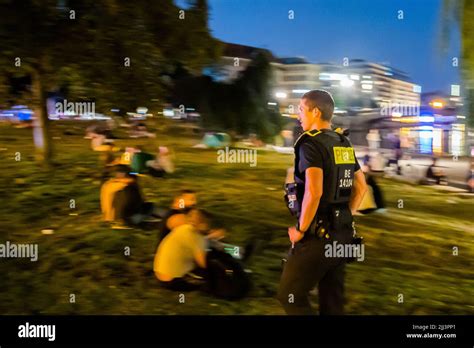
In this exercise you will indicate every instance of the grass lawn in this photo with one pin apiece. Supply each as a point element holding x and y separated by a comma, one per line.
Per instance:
<point>408,251</point>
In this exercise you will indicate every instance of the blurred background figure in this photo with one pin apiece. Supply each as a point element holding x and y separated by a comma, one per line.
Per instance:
<point>374,158</point>
<point>139,130</point>
<point>396,153</point>
<point>287,136</point>
<point>101,137</point>
<point>435,174</point>
<point>139,160</point>
<point>126,157</point>
<point>373,139</point>
<point>122,202</point>
<point>163,163</point>
<point>102,141</point>
<point>255,141</point>
<point>373,199</point>
<point>470,177</point>
<point>406,143</point>
<point>110,212</point>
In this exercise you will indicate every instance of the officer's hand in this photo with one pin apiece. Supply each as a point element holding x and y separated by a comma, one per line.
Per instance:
<point>294,234</point>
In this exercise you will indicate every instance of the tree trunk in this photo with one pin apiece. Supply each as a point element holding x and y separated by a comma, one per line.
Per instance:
<point>41,134</point>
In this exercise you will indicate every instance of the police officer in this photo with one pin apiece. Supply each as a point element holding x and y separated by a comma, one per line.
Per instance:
<point>329,188</point>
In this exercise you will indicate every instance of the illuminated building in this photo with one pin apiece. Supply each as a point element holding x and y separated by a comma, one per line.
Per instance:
<point>369,85</point>
<point>359,85</point>
<point>293,77</point>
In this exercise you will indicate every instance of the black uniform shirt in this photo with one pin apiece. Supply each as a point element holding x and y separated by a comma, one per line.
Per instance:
<point>313,154</point>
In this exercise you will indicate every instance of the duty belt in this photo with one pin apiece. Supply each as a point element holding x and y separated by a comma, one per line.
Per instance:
<point>328,219</point>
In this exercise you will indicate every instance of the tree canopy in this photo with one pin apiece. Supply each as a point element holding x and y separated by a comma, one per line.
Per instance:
<point>240,105</point>
<point>460,13</point>
<point>115,53</point>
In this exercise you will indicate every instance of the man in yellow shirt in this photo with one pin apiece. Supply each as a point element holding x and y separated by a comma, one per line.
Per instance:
<point>182,251</point>
<point>176,215</point>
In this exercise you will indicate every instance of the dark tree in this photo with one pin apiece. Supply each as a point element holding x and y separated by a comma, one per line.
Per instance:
<point>115,53</point>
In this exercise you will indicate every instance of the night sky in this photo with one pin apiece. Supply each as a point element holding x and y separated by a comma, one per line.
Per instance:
<point>329,30</point>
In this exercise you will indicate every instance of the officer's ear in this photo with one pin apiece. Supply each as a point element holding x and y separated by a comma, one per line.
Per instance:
<point>316,112</point>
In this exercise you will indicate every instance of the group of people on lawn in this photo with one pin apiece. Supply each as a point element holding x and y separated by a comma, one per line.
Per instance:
<point>186,236</point>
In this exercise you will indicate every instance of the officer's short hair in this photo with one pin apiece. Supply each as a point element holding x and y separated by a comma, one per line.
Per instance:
<point>322,100</point>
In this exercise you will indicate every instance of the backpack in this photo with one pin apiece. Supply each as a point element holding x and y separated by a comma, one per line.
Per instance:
<point>226,276</point>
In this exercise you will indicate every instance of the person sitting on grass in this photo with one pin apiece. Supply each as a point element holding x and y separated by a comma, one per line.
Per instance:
<point>176,215</point>
<point>126,156</point>
<point>182,251</point>
<point>106,150</point>
<point>162,164</point>
<point>122,202</point>
<point>110,188</point>
<point>191,257</point>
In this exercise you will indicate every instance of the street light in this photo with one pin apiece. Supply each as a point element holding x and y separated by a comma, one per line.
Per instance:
<point>437,104</point>
<point>300,91</point>
<point>347,83</point>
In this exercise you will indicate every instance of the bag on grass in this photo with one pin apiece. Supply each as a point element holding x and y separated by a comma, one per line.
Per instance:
<point>226,276</point>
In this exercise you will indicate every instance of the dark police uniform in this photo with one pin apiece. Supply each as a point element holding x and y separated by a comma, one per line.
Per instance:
<point>307,265</point>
